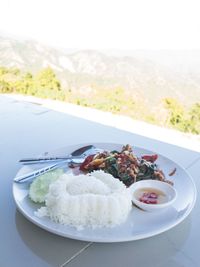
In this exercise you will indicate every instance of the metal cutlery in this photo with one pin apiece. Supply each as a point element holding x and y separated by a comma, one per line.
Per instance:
<point>83,151</point>
<point>76,157</point>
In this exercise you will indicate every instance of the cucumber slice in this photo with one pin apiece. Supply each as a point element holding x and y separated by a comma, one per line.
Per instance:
<point>40,186</point>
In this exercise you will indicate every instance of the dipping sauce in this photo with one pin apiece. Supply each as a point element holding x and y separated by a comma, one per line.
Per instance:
<point>150,196</point>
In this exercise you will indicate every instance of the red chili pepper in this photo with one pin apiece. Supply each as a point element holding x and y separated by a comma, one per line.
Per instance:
<point>86,162</point>
<point>150,158</point>
<point>172,172</point>
<point>149,198</point>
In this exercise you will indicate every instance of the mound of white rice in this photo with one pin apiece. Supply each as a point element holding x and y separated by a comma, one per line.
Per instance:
<point>95,200</point>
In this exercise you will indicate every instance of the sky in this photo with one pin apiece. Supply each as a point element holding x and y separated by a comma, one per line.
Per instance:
<point>104,24</point>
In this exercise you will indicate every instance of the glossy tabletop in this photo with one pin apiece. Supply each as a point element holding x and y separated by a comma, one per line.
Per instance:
<point>28,129</point>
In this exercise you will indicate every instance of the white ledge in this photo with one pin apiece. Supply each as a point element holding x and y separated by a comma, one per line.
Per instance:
<point>170,136</point>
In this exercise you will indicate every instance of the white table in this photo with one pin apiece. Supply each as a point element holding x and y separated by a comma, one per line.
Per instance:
<point>28,129</point>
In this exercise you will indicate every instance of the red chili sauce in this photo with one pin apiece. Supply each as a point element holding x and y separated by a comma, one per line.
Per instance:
<point>150,196</point>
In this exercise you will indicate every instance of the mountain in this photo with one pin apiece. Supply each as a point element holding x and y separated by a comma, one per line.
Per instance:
<point>145,77</point>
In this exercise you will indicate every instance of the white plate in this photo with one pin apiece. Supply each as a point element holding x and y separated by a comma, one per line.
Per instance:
<point>139,224</point>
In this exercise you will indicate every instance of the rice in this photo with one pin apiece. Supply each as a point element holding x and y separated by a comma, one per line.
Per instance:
<point>95,200</point>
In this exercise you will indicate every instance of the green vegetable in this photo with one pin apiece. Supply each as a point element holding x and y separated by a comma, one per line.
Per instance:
<point>40,186</point>
<point>111,160</point>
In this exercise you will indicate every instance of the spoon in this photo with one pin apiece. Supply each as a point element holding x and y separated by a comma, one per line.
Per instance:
<point>76,157</point>
<point>83,151</point>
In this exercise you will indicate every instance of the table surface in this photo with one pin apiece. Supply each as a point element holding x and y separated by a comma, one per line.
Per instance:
<point>28,129</point>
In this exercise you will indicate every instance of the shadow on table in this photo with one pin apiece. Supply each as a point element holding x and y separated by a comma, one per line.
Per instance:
<point>49,246</point>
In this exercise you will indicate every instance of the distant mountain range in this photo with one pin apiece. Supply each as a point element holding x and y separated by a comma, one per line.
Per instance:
<point>146,78</point>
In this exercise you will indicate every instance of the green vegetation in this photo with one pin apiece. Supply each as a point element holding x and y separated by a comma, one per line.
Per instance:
<point>183,119</point>
<point>171,113</point>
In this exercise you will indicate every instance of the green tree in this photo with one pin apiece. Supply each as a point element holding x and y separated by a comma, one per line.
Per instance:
<point>195,118</point>
<point>3,71</point>
<point>182,119</point>
<point>5,87</point>
<point>176,111</point>
<point>47,79</point>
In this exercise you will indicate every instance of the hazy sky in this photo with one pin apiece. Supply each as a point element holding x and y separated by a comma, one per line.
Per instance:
<point>104,24</point>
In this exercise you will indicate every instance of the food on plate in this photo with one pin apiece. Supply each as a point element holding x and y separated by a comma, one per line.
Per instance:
<point>125,165</point>
<point>99,195</point>
<point>94,200</point>
<point>40,186</point>
<point>172,172</point>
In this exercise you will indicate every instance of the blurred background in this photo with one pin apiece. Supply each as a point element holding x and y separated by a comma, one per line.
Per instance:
<point>140,59</point>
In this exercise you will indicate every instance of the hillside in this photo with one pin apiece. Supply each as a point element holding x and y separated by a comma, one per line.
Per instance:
<point>147,79</point>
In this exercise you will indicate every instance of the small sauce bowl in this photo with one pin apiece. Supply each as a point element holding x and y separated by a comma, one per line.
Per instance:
<point>152,195</point>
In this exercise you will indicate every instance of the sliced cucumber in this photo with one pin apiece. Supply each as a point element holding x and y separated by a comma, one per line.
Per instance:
<point>40,186</point>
